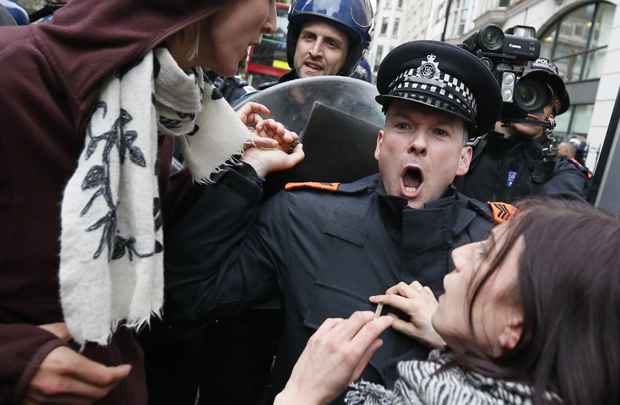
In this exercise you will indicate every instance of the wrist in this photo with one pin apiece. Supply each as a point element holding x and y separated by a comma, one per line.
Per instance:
<point>257,165</point>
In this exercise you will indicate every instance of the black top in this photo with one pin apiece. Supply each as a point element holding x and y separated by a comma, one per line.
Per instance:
<point>325,252</point>
<point>508,169</point>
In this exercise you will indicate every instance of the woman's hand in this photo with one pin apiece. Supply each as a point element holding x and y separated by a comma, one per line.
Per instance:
<point>419,303</point>
<point>274,148</point>
<point>334,357</point>
<point>250,113</point>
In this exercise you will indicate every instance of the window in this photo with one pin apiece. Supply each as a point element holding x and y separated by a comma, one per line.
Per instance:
<point>577,42</point>
<point>384,26</point>
<point>388,4</point>
<point>395,28</point>
<point>400,3</point>
<point>378,57</point>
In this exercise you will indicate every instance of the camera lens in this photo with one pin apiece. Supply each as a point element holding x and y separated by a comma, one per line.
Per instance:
<point>531,96</point>
<point>491,38</point>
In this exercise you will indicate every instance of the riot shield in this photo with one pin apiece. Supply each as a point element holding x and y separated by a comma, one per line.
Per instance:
<point>337,119</point>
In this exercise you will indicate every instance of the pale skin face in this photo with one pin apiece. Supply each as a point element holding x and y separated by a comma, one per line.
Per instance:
<point>225,35</point>
<point>497,318</point>
<point>321,50</point>
<point>420,151</point>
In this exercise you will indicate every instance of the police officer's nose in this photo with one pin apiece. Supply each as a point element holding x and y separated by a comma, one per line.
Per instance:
<point>315,49</point>
<point>418,145</point>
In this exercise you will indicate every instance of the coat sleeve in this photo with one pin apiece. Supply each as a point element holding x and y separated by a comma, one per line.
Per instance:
<point>22,350</point>
<point>222,256</point>
<point>567,181</point>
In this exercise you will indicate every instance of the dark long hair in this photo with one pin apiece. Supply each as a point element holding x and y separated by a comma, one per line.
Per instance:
<point>568,286</point>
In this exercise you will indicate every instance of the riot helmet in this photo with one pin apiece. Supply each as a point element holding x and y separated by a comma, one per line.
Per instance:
<point>362,71</point>
<point>354,17</point>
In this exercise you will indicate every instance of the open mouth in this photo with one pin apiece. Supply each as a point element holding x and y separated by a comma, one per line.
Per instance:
<point>412,180</point>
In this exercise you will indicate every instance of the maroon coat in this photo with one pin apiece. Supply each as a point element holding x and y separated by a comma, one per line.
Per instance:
<point>50,75</point>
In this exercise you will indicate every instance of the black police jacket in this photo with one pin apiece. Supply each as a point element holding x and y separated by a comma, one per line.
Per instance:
<point>510,169</point>
<point>325,252</point>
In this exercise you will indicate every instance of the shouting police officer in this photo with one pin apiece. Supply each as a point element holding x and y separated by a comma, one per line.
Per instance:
<point>328,247</point>
<point>513,161</point>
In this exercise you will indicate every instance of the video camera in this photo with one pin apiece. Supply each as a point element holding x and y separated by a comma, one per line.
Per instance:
<point>512,56</point>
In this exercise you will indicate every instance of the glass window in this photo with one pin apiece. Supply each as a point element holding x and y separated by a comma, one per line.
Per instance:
<point>547,41</point>
<point>570,40</point>
<point>395,28</point>
<point>570,67</point>
<point>384,26</point>
<point>582,117</point>
<point>400,3</point>
<point>594,64</point>
<point>603,25</point>
<point>562,121</point>
<point>574,42</point>
<point>379,55</point>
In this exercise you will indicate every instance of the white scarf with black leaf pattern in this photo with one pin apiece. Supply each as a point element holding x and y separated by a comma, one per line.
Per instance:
<point>111,260</point>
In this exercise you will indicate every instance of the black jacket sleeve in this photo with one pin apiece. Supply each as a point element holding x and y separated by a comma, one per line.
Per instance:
<point>567,181</point>
<point>223,255</point>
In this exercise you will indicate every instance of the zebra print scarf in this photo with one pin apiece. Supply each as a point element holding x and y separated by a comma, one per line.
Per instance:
<point>421,383</point>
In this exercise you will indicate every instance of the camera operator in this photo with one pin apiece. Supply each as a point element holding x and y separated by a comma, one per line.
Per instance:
<point>517,159</point>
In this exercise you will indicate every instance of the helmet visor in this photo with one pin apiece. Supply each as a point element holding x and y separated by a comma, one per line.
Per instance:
<point>358,12</point>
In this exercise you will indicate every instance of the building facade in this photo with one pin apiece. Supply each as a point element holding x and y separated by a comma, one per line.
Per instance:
<point>388,29</point>
<point>581,36</point>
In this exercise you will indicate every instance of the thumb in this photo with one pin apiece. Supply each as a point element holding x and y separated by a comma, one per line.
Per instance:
<point>119,373</point>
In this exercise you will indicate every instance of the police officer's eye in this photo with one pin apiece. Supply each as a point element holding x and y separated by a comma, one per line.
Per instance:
<point>440,132</point>
<point>402,125</point>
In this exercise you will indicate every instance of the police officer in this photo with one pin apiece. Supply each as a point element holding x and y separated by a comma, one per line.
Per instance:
<point>324,37</point>
<point>328,247</point>
<point>513,161</point>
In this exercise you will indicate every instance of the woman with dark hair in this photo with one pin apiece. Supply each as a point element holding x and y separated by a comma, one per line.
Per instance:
<point>91,104</point>
<point>531,315</point>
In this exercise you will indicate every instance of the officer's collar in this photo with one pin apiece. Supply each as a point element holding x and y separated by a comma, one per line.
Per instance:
<point>399,203</point>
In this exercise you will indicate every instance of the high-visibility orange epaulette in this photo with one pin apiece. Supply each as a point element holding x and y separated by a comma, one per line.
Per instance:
<point>502,212</point>
<point>584,169</point>
<point>315,185</point>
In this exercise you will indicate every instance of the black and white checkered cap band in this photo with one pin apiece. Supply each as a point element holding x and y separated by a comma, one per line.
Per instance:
<point>447,90</point>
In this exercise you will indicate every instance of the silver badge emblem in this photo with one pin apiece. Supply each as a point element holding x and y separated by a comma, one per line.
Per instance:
<point>429,69</point>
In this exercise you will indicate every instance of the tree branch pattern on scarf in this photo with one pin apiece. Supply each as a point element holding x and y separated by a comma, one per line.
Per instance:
<point>98,177</point>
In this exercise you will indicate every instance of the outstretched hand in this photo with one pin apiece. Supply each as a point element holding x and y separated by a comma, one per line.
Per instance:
<point>334,357</point>
<point>274,147</point>
<point>67,377</point>
<point>419,303</point>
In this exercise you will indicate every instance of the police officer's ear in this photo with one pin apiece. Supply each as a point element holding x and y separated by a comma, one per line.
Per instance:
<point>464,160</point>
<point>379,142</point>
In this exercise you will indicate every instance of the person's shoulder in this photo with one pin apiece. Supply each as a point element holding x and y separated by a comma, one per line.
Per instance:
<point>495,212</point>
<point>564,163</point>
<point>361,186</point>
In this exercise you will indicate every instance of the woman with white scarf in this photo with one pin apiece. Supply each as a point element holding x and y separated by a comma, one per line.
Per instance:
<point>523,320</point>
<point>92,103</point>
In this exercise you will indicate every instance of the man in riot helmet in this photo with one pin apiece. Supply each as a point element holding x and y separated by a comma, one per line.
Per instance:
<point>516,160</point>
<point>325,37</point>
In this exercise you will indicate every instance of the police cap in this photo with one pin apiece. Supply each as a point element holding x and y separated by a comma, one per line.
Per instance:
<point>443,77</point>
